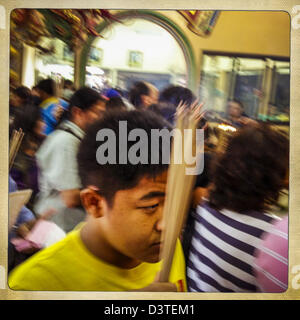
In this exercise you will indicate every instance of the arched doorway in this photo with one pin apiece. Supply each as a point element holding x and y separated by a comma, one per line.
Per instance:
<point>93,50</point>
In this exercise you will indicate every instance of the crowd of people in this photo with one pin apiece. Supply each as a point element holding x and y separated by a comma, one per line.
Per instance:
<point>110,215</point>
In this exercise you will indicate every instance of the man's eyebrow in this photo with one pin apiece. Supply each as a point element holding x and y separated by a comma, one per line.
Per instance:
<point>153,194</point>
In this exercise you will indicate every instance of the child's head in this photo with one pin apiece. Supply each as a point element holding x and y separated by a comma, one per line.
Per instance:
<point>124,201</point>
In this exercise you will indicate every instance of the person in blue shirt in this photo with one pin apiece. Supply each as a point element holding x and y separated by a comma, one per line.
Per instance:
<point>51,106</point>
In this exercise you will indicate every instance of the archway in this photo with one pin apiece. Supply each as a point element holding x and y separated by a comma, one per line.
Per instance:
<point>159,20</point>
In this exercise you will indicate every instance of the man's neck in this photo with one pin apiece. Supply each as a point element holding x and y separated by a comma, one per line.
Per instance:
<point>78,123</point>
<point>103,250</point>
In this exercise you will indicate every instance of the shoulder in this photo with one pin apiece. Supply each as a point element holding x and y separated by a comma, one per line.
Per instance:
<point>63,103</point>
<point>59,140</point>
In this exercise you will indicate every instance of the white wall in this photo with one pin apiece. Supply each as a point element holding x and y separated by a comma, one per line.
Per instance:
<point>161,52</point>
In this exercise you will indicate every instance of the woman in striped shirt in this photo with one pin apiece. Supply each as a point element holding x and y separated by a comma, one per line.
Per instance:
<point>229,226</point>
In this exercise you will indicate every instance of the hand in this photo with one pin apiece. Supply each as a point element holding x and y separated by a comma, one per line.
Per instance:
<point>247,121</point>
<point>194,110</point>
<point>26,227</point>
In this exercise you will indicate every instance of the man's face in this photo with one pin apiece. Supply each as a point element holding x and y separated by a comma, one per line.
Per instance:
<point>153,95</point>
<point>133,225</point>
<point>93,113</point>
<point>234,109</point>
<point>152,98</point>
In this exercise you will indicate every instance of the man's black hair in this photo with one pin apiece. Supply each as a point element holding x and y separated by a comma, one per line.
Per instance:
<point>110,178</point>
<point>26,119</point>
<point>175,94</point>
<point>83,98</point>
<point>136,92</point>
<point>47,86</point>
<point>24,93</point>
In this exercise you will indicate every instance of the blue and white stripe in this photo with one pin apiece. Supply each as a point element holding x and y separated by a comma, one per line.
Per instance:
<point>221,257</point>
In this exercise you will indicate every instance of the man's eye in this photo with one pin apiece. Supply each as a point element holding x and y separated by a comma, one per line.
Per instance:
<point>149,207</point>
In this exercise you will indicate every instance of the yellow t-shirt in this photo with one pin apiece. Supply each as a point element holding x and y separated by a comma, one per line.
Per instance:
<point>69,266</point>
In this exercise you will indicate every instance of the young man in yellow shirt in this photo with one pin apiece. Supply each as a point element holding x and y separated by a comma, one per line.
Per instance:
<point>118,247</point>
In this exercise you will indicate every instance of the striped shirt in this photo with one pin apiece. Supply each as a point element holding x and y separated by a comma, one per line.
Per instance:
<point>271,263</point>
<point>222,249</point>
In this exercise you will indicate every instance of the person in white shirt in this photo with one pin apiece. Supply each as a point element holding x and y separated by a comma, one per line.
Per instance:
<point>59,182</point>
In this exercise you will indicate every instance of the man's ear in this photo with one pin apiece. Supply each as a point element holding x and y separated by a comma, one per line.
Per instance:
<point>93,203</point>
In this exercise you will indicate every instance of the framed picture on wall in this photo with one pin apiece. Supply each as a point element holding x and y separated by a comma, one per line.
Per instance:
<point>135,59</point>
<point>96,55</point>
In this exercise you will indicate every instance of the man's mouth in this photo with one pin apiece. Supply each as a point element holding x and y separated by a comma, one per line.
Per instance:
<point>157,244</point>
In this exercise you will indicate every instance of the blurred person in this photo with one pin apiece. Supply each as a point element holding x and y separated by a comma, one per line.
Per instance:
<point>25,222</point>
<point>118,248</point>
<point>19,97</point>
<point>51,106</point>
<point>36,96</point>
<point>68,90</point>
<point>25,215</point>
<point>165,110</point>
<point>236,116</point>
<point>271,262</point>
<point>115,103</point>
<point>143,94</point>
<point>59,181</point>
<point>173,95</point>
<point>24,170</point>
<point>246,180</point>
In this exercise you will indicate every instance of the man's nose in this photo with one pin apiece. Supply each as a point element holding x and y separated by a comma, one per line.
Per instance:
<point>160,224</point>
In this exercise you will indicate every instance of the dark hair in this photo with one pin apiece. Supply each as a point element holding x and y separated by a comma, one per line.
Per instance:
<point>26,118</point>
<point>115,103</point>
<point>67,83</point>
<point>250,174</point>
<point>24,93</point>
<point>84,98</point>
<point>47,86</point>
<point>175,94</point>
<point>165,110</point>
<point>135,93</point>
<point>110,178</point>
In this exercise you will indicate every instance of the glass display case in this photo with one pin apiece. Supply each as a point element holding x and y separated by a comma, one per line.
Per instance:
<point>261,84</point>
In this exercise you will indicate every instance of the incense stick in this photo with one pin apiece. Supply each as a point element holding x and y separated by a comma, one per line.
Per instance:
<point>15,144</point>
<point>179,187</point>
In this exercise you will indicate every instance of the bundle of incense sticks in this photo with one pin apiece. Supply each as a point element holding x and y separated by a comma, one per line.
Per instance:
<point>179,186</point>
<point>14,145</point>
